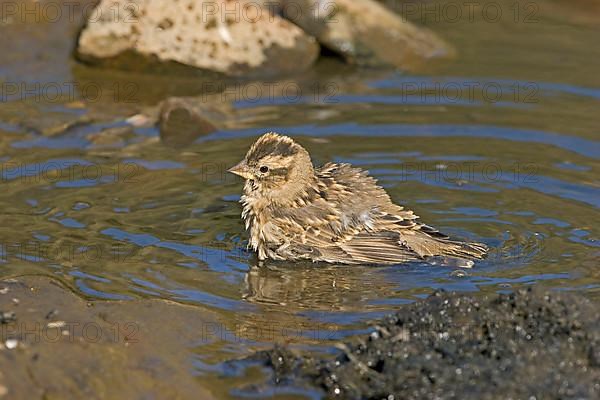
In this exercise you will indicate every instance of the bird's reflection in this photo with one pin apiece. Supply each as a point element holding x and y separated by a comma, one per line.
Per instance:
<point>316,286</point>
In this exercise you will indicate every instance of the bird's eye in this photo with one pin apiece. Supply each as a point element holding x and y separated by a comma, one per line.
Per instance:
<point>264,169</point>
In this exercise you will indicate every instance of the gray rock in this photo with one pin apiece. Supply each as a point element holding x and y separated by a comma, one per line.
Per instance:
<point>365,32</point>
<point>227,37</point>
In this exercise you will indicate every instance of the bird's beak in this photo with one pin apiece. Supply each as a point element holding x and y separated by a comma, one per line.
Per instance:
<point>241,169</point>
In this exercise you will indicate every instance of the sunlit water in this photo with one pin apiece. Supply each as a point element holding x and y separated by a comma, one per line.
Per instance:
<point>495,147</point>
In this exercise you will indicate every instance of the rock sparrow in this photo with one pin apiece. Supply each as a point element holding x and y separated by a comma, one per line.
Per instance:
<point>335,213</point>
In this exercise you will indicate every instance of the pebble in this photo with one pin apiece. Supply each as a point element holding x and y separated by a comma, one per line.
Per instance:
<point>11,344</point>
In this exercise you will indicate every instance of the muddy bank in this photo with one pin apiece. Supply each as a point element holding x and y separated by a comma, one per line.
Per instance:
<point>55,345</point>
<point>525,345</point>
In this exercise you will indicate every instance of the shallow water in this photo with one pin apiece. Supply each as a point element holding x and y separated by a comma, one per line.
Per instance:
<point>500,146</point>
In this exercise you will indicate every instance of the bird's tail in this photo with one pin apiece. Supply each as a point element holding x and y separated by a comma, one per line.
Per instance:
<point>463,250</point>
<point>428,246</point>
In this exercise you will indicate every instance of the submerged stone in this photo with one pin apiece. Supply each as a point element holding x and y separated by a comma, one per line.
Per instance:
<point>183,120</point>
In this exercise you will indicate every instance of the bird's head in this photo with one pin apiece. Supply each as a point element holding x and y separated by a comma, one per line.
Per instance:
<point>276,166</point>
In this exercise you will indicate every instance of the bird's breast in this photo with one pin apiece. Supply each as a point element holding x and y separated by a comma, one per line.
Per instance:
<point>259,223</point>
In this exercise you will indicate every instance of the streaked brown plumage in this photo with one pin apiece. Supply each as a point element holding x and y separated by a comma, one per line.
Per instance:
<point>335,213</point>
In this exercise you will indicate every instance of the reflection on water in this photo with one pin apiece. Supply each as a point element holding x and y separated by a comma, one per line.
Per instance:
<point>493,150</point>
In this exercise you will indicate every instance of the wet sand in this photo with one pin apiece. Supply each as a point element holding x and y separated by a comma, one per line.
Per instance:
<point>55,345</point>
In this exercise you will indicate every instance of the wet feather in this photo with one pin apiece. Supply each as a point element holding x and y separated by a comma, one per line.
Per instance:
<point>336,213</point>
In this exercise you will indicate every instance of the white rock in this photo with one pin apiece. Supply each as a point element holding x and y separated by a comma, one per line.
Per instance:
<point>234,37</point>
<point>11,344</point>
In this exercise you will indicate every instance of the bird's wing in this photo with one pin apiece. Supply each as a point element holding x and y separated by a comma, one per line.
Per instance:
<point>354,221</point>
<point>360,204</point>
<point>317,240</point>
<point>372,248</point>
<point>370,228</point>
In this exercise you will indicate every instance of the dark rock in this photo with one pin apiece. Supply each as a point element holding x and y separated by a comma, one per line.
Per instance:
<point>528,344</point>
